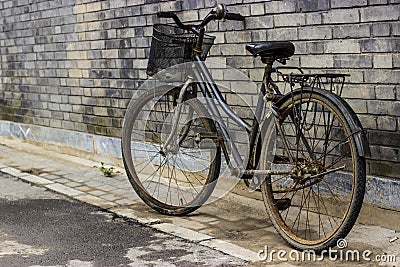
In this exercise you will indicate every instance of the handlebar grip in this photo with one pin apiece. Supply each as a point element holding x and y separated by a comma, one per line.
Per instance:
<point>172,15</point>
<point>234,16</point>
<point>165,14</point>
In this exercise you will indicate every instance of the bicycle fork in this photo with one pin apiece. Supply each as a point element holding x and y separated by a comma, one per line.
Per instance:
<point>168,146</point>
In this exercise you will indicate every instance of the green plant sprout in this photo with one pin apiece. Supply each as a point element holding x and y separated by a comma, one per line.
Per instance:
<point>106,171</point>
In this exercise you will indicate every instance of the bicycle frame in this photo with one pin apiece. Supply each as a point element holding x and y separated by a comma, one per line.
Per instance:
<point>201,71</point>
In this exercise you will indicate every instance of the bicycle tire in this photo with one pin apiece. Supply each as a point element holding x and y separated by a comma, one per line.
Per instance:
<point>153,133</point>
<point>320,224</point>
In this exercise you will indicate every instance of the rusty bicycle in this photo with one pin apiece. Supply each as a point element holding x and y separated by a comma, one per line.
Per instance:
<point>306,149</point>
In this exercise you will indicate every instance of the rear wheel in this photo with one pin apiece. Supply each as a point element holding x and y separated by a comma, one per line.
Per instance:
<point>175,179</point>
<point>319,201</point>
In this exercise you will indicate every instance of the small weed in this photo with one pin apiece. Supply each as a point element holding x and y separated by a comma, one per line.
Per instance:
<point>106,171</point>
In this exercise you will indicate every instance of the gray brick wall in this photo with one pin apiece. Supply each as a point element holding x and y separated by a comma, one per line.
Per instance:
<point>74,64</point>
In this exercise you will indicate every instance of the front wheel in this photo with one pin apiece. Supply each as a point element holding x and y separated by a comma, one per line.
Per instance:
<point>173,179</point>
<point>318,202</point>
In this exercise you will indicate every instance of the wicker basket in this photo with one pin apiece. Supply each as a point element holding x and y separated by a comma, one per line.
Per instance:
<point>171,46</point>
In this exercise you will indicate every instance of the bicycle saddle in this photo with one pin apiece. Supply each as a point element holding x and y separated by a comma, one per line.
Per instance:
<point>271,49</point>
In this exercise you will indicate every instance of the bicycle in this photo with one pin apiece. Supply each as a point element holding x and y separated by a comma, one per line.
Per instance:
<point>172,142</point>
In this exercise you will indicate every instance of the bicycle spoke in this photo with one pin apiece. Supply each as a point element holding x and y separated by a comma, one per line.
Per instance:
<point>187,178</point>
<point>148,163</point>
<point>319,214</point>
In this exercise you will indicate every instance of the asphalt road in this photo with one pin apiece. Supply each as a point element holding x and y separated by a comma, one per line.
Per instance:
<point>42,228</point>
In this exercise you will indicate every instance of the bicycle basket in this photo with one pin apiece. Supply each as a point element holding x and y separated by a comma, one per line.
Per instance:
<point>170,46</point>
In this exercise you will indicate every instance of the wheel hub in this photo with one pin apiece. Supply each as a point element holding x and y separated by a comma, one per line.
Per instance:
<point>169,150</point>
<point>303,173</point>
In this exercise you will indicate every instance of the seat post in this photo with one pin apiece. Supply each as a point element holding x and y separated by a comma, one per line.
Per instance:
<point>268,71</point>
<point>267,89</point>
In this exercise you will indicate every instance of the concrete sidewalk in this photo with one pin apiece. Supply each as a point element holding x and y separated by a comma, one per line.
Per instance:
<point>236,224</point>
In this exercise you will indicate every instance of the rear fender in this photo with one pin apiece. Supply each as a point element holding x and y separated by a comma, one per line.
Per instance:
<point>355,125</point>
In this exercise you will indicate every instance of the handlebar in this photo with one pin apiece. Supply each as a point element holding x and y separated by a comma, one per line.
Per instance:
<point>220,13</point>
<point>234,16</point>
<point>172,15</point>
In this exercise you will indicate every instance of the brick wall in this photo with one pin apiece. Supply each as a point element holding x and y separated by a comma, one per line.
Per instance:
<point>74,64</point>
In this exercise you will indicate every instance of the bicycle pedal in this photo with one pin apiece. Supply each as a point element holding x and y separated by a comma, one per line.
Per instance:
<point>207,135</point>
<point>283,203</point>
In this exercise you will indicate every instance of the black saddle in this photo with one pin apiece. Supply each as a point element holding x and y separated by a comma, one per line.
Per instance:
<point>271,50</point>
